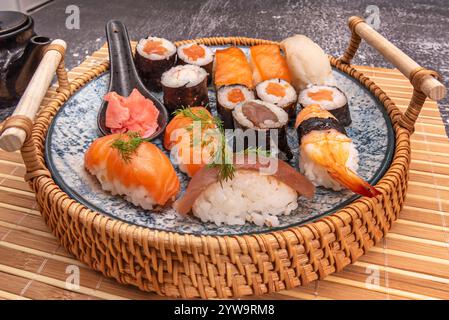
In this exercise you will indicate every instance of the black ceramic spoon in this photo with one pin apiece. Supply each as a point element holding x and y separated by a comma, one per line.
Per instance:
<point>124,77</point>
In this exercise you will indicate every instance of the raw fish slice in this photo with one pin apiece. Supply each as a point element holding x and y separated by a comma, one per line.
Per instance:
<point>232,67</point>
<point>268,63</point>
<point>148,169</point>
<point>207,176</point>
<point>182,122</point>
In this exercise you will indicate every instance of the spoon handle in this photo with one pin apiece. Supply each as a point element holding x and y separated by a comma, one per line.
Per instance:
<point>124,76</point>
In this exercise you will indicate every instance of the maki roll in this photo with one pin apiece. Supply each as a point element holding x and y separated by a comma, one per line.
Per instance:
<point>198,55</point>
<point>267,62</point>
<point>264,126</point>
<point>185,86</point>
<point>328,157</point>
<point>330,98</point>
<point>153,57</point>
<point>227,98</point>
<point>278,92</point>
<point>247,194</point>
<point>231,67</point>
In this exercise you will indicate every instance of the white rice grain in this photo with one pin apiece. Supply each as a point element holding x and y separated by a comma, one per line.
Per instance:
<point>249,196</point>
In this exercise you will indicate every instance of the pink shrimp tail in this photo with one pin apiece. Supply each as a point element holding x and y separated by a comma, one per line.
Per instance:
<point>351,180</point>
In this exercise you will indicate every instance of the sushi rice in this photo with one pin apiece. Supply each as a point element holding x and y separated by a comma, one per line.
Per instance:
<point>184,75</point>
<point>223,92</point>
<point>200,61</point>
<point>288,98</point>
<point>171,48</point>
<point>137,195</point>
<point>268,124</point>
<point>248,196</point>
<point>319,176</point>
<point>338,97</point>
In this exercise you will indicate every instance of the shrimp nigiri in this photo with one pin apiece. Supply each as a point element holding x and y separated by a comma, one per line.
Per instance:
<point>192,137</point>
<point>328,156</point>
<point>127,165</point>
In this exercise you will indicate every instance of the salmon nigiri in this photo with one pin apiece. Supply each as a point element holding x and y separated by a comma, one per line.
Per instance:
<point>127,165</point>
<point>268,63</point>
<point>183,119</point>
<point>192,137</point>
<point>232,67</point>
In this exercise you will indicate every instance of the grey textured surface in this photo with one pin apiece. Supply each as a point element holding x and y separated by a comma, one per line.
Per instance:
<point>420,28</point>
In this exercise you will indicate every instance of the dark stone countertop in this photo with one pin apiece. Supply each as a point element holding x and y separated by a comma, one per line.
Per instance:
<point>420,28</point>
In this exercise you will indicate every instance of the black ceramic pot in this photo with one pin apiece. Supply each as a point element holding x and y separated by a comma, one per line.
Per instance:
<point>20,53</point>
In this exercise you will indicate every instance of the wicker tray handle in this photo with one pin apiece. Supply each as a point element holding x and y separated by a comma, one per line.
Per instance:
<point>16,130</point>
<point>425,82</point>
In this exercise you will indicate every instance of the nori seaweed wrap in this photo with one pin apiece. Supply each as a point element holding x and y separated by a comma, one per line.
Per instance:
<point>153,57</point>
<point>227,99</point>
<point>185,86</point>
<point>263,125</point>
<point>330,98</point>
<point>198,55</point>
<point>280,93</point>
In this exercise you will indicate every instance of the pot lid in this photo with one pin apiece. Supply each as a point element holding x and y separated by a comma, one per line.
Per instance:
<point>11,21</point>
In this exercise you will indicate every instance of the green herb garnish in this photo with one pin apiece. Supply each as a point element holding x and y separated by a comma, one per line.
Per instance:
<point>257,151</point>
<point>222,159</point>
<point>127,148</point>
<point>198,116</point>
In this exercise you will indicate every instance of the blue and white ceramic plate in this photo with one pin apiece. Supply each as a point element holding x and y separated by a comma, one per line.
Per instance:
<point>74,128</point>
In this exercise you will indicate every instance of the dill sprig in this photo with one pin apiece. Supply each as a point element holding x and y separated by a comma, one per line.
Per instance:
<point>127,148</point>
<point>222,159</point>
<point>199,116</point>
<point>257,151</point>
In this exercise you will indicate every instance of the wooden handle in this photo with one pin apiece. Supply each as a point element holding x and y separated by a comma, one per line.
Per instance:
<point>430,86</point>
<point>13,138</point>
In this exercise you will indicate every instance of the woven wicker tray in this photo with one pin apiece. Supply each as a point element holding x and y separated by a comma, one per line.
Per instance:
<point>192,266</point>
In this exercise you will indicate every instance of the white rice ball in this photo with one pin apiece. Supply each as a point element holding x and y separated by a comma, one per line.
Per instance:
<point>138,195</point>
<point>319,176</point>
<point>249,196</point>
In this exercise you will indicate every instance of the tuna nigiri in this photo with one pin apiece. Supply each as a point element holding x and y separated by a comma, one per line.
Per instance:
<point>247,194</point>
<point>127,165</point>
<point>268,63</point>
<point>231,67</point>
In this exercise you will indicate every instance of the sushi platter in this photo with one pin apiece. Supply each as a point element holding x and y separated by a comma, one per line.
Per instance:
<point>116,160</point>
<point>371,131</point>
